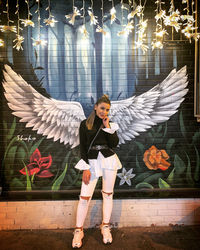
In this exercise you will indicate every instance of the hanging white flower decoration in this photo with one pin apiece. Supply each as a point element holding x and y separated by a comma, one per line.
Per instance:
<point>173,19</point>
<point>19,40</point>
<point>138,11</point>
<point>126,176</point>
<point>101,30</point>
<point>1,42</point>
<point>161,33</point>
<point>113,15</point>
<point>50,21</point>
<point>27,22</point>
<point>4,28</point>
<point>157,44</point>
<point>127,30</point>
<point>72,16</point>
<point>38,42</point>
<point>84,31</point>
<point>160,15</point>
<point>93,18</point>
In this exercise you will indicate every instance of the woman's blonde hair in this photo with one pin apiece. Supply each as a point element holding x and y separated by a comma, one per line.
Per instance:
<point>90,119</point>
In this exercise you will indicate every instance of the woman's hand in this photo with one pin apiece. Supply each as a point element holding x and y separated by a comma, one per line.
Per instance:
<point>106,122</point>
<point>86,176</point>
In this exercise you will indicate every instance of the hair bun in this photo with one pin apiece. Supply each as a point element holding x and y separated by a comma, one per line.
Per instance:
<point>105,96</point>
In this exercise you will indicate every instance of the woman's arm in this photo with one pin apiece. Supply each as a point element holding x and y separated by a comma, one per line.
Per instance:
<point>111,135</point>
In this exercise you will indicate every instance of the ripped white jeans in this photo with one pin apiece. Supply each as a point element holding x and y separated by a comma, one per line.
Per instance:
<point>108,182</point>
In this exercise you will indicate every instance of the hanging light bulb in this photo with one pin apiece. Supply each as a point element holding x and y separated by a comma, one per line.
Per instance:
<point>19,39</point>
<point>8,27</point>
<point>27,22</point>
<point>38,41</point>
<point>1,42</point>
<point>174,17</point>
<point>50,20</point>
<point>99,28</point>
<point>157,42</point>
<point>112,13</point>
<point>72,16</point>
<point>93,18</point>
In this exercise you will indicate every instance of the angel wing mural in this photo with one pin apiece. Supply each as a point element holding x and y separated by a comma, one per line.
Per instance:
<point>60,119</point>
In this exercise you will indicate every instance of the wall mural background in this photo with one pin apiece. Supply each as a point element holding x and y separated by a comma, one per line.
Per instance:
<point>71,68</point>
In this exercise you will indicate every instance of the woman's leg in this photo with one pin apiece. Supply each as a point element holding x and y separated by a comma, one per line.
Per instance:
<point>85,197</point>
<point>109,177</point>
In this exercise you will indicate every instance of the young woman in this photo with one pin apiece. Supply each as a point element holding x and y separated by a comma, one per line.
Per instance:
<point>97,138</point>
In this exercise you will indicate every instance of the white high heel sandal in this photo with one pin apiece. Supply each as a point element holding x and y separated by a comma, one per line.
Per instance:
<point>77,240</point>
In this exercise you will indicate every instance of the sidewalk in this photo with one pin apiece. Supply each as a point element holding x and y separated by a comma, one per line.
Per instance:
<point>145,238</point>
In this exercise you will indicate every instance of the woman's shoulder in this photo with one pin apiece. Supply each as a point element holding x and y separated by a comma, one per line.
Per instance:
<point>83,123</point>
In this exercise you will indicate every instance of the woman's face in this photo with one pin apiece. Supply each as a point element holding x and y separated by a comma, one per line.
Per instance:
<point>102,109</point>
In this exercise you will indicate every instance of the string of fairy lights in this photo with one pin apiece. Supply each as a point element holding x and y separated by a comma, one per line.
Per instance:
<point>179,22</point>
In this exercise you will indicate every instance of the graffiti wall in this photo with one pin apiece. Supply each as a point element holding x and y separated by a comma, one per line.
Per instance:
<point>46,91</point>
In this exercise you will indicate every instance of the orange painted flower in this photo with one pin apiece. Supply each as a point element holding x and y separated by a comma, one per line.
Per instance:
<point>155,158</point>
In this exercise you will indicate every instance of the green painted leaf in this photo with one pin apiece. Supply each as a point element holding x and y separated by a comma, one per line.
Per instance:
<point>59,180</point>
<point>4,124</point>
<point>72,171</point>
<point>188,173</point>
<point>9,146</point>
<point>157,134</point>
<point>142,185</point>
<point>9,162</point>
<point>138,168</point>
<point>153,178</point>
<point>179,165</point>
<point>69,179</point>
<point>197,168</point>
<point>163,184</point>
<point>78,183</point>
<point>140,146</point>
<point>169,145</point>
<point>165,132</point>
<point>36,145</point>
<point>142,176</point>
<point>182,126</point>
<point>159,128</point>
<point>170,178</point>
<point>28,182</point>
<point>16,183</point>
<point>12,129</point>
<point>20,153</point>
<point>196,137</point>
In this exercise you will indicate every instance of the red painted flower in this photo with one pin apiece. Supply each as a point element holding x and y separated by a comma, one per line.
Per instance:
<point>155,158</point>
<point>38,165</point>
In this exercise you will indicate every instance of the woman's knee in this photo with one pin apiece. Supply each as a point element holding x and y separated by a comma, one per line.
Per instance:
<point>87,198</point>
<point>107,195</point>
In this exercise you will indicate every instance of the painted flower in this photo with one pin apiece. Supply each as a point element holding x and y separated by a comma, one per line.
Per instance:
<point>155,158</point>
<point>125,176</point>
<point>38,165</point>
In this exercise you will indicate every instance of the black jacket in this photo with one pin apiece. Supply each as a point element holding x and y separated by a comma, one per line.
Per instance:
<point>103,138</point>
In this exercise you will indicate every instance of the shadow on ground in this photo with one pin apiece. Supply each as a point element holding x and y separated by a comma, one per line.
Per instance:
<point>145,238</point>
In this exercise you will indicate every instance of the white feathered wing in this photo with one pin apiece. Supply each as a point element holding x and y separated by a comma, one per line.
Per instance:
<point>56,119</point>
<point>137,114</point>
